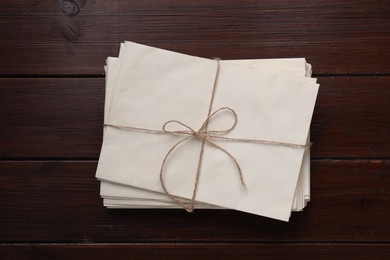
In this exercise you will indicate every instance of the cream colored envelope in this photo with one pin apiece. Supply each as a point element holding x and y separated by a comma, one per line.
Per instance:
<point>155,86</point>
<point>127,194</point>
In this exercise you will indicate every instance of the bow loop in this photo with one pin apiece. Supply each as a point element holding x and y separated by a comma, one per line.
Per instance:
<point>190,131</point>
<point>215,113</point>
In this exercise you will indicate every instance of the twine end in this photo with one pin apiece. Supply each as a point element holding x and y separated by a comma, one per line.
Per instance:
<point>189,210</point>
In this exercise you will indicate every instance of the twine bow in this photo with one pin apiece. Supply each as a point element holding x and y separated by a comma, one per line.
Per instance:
<point>205,136</point>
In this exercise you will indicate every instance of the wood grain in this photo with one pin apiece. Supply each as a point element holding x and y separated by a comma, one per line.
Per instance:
<point>62,118</point>
<point>58,201</point>
<point>75,37</point>
<point>368,8</point>
<point>51,106</point>
<point>196,251</point>
<point>51,117</point>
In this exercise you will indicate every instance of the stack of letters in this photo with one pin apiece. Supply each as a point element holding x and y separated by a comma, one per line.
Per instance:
<point>187,132</point>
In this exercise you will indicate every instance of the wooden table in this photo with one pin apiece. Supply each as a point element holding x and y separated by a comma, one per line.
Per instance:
<point>51,108</point>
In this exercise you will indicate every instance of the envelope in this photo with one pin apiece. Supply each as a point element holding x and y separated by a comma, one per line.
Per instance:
<point>154,86</point>
<point>127,195</point>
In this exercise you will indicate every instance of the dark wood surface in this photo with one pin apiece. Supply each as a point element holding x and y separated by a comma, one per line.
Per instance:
<point>197,251</point>
<point>51,106</point>
<point>58,201</point>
